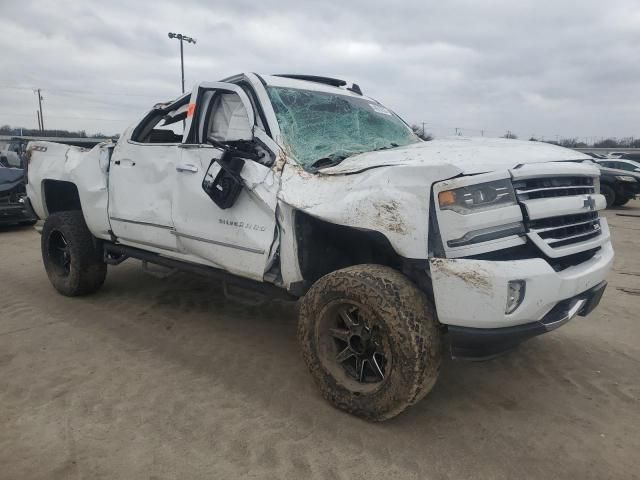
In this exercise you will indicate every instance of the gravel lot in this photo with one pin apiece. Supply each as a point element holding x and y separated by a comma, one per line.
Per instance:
<point>165,378</point>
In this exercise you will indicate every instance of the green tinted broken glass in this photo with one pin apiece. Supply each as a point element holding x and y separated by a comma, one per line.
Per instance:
<point>319,125</point>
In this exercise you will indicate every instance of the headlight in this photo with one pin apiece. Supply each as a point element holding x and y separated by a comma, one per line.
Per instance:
<point>625,178</point>
<point>474,198</point>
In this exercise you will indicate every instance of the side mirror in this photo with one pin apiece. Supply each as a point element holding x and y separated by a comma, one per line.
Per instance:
<point>224,184</point>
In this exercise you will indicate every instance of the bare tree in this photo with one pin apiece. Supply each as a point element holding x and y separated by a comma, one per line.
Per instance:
<point>607,143</point>
<point>419,131</point>
<point>9,130</point>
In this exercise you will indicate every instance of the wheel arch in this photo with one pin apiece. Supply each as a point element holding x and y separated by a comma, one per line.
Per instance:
<point>324,247</point>
<point>60,195</point>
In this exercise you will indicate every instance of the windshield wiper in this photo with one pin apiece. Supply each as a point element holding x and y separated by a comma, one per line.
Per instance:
<point>391,145</point>
<point>334,159</point>
<point>330,161</point>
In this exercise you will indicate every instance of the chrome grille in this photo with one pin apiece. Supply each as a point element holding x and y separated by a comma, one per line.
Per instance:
<point>567,229</point>
<point>557,231</point>
<point>531,188</point>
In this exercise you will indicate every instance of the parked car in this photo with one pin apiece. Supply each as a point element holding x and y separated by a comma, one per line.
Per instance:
<point>301,188</point>
<point>621,164</point>
<point>631,156</point>
<point>13,209</point>
<point>618,185</point>
<point>11,154</point>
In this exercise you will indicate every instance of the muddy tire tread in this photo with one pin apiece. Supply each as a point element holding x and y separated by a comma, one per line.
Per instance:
<point>88,270</point>
<point>410,318</point>
<point>610,195</point>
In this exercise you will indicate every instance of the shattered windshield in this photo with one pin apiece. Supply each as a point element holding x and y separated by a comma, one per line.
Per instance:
<point>321,129</point>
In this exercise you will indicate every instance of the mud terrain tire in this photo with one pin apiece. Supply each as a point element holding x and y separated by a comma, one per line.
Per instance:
<point>73,262</point>
<point>621,201</point>
<point>609,195</point>
<point>404,319</point>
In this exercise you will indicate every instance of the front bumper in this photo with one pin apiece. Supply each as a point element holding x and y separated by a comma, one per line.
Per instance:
<point>471,298</point>
<point>473,293</point>
<point>485,343</point>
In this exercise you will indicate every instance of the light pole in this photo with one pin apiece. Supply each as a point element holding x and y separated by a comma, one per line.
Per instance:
<point>40,116</point>
<point>182,38</point>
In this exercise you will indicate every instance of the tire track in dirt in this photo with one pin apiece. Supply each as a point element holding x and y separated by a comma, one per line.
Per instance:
<point>115,308</point>
<point>280,392</point>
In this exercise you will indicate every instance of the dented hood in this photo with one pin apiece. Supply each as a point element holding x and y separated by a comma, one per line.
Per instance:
<point>469,155</point>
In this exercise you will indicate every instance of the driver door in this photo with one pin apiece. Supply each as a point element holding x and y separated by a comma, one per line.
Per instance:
<point>239,238</point>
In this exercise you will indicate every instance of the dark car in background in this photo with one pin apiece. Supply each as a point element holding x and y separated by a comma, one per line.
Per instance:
<point>618,185</point>
<point>631,156</point>
<point>14,209</point>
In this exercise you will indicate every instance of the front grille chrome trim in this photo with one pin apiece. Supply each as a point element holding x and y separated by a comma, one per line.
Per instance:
<point>523,191</point>
<point>549,229</point>
<point>552,240</point>
<point>555,216</point>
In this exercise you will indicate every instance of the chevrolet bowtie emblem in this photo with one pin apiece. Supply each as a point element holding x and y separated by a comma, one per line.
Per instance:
<point>589,203</point>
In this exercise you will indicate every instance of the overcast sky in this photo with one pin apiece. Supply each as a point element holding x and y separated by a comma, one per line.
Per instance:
<point>535,67</point>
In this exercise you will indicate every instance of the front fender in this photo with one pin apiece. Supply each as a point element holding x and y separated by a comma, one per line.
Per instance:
<point>392,200</point>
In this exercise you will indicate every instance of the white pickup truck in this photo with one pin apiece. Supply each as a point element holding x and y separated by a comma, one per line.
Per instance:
<point>301,187</point>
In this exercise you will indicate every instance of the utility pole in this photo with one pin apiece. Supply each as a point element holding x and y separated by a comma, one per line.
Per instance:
<point>423,129</point>
<point>40,116</point>
<point>182,38</point>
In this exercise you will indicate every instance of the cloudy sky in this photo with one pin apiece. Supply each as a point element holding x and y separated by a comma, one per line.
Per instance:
<point>535,67</point>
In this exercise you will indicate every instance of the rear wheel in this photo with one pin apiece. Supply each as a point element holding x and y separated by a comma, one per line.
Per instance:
<point>73,263</point>
<point>620,202</point>
<point>370,339</point>
<point>609,194</point>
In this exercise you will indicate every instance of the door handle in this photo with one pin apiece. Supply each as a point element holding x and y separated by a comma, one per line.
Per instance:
<point>191,145</point>
<point>125,163</point>
<point>187,167</point>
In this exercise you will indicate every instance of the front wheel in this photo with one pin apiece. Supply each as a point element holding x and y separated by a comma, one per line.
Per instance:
<point>609,194</point>
<point>370,339</point>
<point>73,263</point>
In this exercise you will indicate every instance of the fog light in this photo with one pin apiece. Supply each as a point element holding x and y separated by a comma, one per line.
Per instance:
<point>515,295</point>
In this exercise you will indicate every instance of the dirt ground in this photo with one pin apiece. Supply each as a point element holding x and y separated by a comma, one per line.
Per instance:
<point>164,378</point>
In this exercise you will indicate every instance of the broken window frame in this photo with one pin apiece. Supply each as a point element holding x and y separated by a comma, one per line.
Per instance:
<point>170,113</point>
<point>202,101</point>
